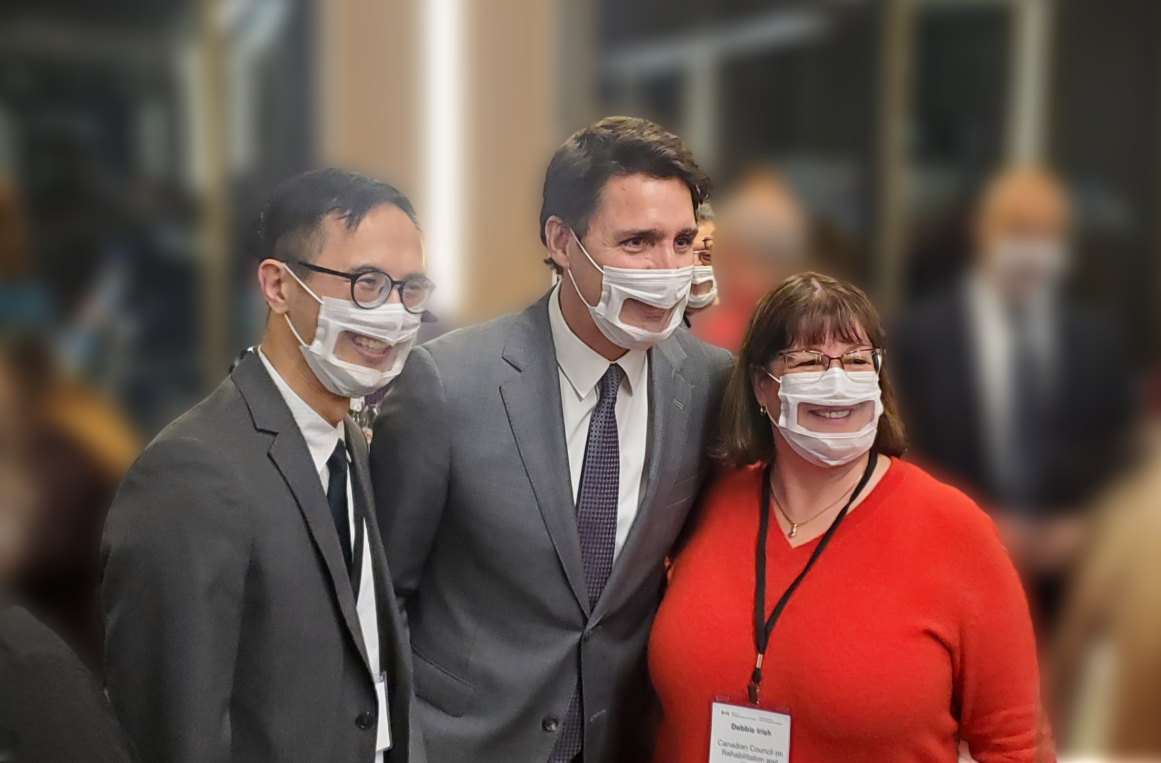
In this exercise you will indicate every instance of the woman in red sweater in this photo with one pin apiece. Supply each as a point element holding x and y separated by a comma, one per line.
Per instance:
<point>891,624</point>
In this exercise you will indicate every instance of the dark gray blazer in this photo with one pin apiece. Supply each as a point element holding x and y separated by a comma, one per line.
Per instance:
<point>471,469</point>
<point>231,626</point>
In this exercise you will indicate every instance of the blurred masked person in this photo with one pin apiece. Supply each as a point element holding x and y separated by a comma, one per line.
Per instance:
<point>704,291</point>
<point>760,236</point>
<point>250,612</point>
<point>833,603</point>
<point>51,708</point>
<point>1010,391</point>
<point>533,472</point>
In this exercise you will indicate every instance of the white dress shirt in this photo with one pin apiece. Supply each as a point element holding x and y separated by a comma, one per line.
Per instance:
<point>321,439</point>
<point>992,343</point>
<point>581,369</point>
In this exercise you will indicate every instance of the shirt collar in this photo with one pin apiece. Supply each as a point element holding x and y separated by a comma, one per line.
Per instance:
<point>319,434</point>
<point>582,365</point>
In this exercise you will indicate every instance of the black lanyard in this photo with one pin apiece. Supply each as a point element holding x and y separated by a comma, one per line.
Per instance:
<point>763,626</point>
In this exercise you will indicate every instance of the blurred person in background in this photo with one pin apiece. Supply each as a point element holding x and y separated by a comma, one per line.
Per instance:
<point>18,496</point>
<point>761,235</point>
<point>52,709</point>
<point>909,635</point>
<point>533,472</point>
<point>1011,391</point>
<point>80,447</point>
<point>250,613</point>
<point>1108,656</point>
<point>704,291</point>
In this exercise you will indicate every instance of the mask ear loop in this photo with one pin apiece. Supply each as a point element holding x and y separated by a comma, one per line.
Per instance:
<point>594,264</point>
<point>286,315</point>
<point>778,379</point>
<point>306,288</point>
<point>586,251</point>
<point>294,331</point>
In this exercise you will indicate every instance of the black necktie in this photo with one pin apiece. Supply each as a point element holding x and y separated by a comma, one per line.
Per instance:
<point>596,521</point>
<point>337,498</point>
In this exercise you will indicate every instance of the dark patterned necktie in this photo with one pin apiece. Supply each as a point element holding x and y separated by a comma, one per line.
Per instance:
<point>596,521</point>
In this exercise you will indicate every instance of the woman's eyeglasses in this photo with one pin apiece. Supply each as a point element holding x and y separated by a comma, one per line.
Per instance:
<point>806,361</point>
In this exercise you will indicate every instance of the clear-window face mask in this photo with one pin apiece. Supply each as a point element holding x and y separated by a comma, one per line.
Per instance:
<point>665,289</point>
<point>390,324</point>
<point>817,435</point>
<point>702,275</point>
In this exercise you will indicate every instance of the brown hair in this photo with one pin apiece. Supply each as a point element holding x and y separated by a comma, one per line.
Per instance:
<point>612,147</point>
<point>808,308</point>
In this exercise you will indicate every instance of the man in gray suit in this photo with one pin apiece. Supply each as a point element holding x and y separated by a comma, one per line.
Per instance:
<point>250,611</point>
<point>533,473</point>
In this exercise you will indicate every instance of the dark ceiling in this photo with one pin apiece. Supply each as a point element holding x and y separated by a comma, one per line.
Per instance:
<point>625,21</point>
<point>127,15</point>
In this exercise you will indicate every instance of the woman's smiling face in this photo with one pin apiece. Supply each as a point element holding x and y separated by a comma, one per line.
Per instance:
<point>818,418</point>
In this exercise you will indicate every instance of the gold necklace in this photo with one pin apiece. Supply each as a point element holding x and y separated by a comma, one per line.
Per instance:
<point>795,525</point>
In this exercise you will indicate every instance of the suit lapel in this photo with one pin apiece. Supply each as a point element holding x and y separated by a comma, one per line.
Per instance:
<point>532,401</point>
<point>963,384</point>
<point>389,625</point>
<point>292,459</point>
<point>670,396</point>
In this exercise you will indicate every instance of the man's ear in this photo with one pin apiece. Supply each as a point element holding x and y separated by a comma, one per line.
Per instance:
<point>275,284</point>
<point>557,236</point>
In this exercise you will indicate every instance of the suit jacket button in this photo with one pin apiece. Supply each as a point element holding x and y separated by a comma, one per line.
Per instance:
<point>550,723</point>
<point>364,721</point>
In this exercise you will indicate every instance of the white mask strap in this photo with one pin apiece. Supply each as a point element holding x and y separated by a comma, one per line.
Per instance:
<point>573,279</point>
<point>286,315</point>
<point>293,330</point>
<point>294,275</point>
<point>586,251</point>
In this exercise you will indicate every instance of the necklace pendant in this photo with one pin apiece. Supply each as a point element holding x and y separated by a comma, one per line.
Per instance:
<point>793,530</point>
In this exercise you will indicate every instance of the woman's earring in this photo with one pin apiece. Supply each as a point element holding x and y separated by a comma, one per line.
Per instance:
<point>762,410</point>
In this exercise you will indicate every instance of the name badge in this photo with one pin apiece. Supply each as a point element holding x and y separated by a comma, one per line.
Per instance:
<point>383,731</point>
<point>750,734</point>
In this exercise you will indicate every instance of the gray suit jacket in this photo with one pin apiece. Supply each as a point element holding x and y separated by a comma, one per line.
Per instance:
<point>471,469</point>
<point>231,626</point>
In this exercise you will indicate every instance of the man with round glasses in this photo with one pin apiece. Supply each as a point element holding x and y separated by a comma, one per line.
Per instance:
<point>250,611</point>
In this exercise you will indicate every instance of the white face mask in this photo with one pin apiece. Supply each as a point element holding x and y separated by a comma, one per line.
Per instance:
<point>703,274</point>
<point>1040,261</point>
<point>389,323</point>
<point>835,387</point>
<point>665,289</point>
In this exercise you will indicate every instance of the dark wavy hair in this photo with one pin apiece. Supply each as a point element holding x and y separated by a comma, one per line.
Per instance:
<point>613,147</point>
<point>809,308</point>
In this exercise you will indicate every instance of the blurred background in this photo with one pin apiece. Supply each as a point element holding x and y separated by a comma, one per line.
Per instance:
<point>915,142</point>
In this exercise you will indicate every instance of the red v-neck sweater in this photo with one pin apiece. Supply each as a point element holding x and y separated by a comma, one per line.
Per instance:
<point>911,631</point>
